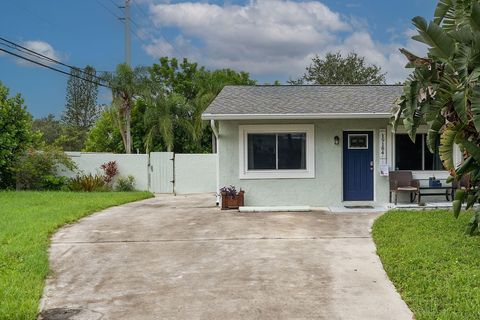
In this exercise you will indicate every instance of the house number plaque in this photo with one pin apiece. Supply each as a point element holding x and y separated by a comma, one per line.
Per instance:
<point>382,151</point>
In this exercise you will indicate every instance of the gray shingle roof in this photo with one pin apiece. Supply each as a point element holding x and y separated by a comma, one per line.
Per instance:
<point>247,101</point>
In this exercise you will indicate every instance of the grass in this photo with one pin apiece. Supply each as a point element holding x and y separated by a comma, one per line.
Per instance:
<point>27,219</point>
<point>433,264</point>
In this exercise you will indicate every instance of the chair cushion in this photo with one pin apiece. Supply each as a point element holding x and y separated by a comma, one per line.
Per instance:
<point>407,189</point>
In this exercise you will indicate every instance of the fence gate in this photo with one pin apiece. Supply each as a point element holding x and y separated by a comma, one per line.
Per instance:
<point>161,172</point>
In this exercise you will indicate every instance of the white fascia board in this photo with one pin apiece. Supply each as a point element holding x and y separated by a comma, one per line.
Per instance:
<point>210,116</point>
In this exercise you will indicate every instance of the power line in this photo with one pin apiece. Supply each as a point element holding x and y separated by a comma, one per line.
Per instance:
<point>108,9</point>
<point>135,33</point>
<point>52,68</point>
<point>121,19</point>
<point>30,52</point>
<point>115,4</point>
<point>140,8</point>
<point>148,19</point>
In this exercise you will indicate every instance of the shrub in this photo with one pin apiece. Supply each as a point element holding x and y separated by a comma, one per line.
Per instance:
<point>125,184</point>
<point>88,183</point>
<point>53,182</point>
<point>110,170</point>
<point>37,169</point>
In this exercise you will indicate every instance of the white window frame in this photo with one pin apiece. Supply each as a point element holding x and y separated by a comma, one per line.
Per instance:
<point>357,135</point>
<point>308,172</point>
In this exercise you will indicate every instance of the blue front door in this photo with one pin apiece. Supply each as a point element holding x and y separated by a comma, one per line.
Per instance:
<point>358,166</point>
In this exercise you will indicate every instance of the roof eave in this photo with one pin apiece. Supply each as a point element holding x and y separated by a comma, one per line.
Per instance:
<point>217,116</point>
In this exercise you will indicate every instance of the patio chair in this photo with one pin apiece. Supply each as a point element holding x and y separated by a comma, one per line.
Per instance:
<point>463,183</point>
<point>402,181</point>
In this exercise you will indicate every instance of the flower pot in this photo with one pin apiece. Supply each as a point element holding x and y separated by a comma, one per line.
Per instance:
<point>229,202</point>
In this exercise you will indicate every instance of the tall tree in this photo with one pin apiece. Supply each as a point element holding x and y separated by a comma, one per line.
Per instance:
<point>16,135</point>
<point>198,87</point>
<point>104,135</point>
<point>49,127</point>
<point>443,91</point>
<point>335,69</point>
<point>81,109</point>
<point>126,84</point>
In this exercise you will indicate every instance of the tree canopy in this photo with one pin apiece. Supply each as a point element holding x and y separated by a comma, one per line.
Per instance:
<point>81,109</point>
<point>336,69</point>
<point>16,135</point>
<point>166,103</point>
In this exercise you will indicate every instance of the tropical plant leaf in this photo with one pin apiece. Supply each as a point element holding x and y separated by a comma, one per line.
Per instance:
<point>475,74</point>
<point>460,103</point>
<point>475,17</point>
<point>475,105</point>
<point>460,195</point>
<point>463,35</point>
<point>447,142</point>
<point>441,45</point>
<point>443,7</point>
<point>467,166</point>
<point>470,147</point>
<point>462,61</point>
<point>396,113</point>
<point>474,223</point>
<point>433,131</point>
<point>471,199</point>
<point>457,206</point>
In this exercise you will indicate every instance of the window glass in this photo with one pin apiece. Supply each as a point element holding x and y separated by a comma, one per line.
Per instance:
<point>277,151</point>
<point>408,155</point>
<point>261,151</point>
<point>292,150</point>
<point>357,141</point>
<point>415,156</point>
<point>432,160</point>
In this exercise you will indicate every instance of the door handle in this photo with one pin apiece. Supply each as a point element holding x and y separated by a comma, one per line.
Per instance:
<point>371,165</point>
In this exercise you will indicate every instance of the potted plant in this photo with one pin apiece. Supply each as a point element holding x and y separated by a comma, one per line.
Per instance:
<point>231,198</point>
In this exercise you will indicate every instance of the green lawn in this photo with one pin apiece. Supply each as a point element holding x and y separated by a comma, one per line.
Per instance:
<point>27,219</point>
<point>433,264</point>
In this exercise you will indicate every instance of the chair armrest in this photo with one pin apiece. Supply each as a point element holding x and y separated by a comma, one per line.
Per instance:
<point>393,185</point>
<point>415,183</point>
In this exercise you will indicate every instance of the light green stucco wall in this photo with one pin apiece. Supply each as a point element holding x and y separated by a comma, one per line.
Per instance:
<point>323,190</point>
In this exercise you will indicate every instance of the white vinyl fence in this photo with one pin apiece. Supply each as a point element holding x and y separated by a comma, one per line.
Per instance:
<point>159,172</point>
<point>195,172</point>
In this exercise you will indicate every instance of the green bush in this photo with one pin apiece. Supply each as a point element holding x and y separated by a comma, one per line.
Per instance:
<point>88,183</point>
<point>53,182</point>
<point>125,184</point>
<point>37,169</point>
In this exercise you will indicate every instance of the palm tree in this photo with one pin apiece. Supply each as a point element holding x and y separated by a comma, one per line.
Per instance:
<point>126,85</point>
<point>161,118</point>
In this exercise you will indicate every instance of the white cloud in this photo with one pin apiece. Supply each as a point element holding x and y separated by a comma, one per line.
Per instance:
<point>41,47</point>
<point>269,37</point>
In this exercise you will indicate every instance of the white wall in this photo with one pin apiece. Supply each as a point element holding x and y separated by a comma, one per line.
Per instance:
<point>195,173</point>
<point>128,164</point>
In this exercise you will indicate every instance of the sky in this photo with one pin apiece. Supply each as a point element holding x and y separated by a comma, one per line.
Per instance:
<point>270,39</point>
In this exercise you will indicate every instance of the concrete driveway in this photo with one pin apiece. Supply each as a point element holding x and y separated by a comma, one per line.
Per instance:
<point>180,258</point>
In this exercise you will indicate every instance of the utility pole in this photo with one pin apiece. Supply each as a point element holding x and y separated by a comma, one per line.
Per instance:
<point>126,20</point>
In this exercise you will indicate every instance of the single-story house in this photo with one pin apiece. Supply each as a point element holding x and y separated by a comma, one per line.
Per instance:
<point>315,145</point>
